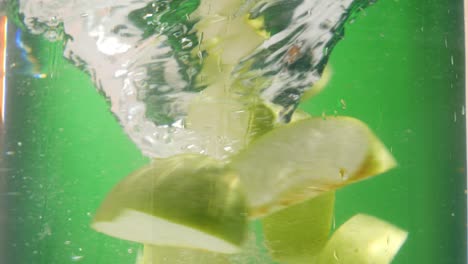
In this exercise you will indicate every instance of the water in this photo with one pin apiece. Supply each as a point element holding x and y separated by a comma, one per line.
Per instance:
<point>143,56</point>
<point>147,62</point>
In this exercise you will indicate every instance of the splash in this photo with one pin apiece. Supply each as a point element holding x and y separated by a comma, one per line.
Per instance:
<point>145,57</point>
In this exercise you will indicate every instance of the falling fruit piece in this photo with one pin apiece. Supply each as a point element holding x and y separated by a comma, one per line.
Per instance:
<point>226,123</point>
<point>363,239</point>
<point>187,201</point>
<point>298,233</point>
<point>301,160</point>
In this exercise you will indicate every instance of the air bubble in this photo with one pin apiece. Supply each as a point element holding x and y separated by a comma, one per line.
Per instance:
<point>229,149</point>
<point>53,22</point>
<point>294,97</point>
<point>186,43</point>
<point>52,35</point>
<point>76,258</point>
<point>178,34</point>
<point>326,25</point>
<point>343,104</point>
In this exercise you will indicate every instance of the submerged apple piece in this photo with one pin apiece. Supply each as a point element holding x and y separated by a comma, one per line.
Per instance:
<point>188,200</point>
<point>363,240</point>
<point>227,124</point>
<point>225,29</point>
<point>298,233</point>
<point>222,115</point>
<point>298,161</point>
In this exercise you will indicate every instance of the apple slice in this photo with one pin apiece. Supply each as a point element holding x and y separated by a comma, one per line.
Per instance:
<point>363,239</point>
<point>298,161</point>
<point>226,124</point>
<point>298,233</point>
<point>225,112</point>
<point>188,200</point>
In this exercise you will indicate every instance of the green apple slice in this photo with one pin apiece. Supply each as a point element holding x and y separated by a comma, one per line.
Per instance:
<point>187,200</point>
<point>363,240</point>
<point>298,161</point>
<point>220,114</point>
<point>226,123</point>
<point>225,29</point>
<point>298,233</point>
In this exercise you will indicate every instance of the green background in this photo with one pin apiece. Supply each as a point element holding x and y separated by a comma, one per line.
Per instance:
<point>63,149</point>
